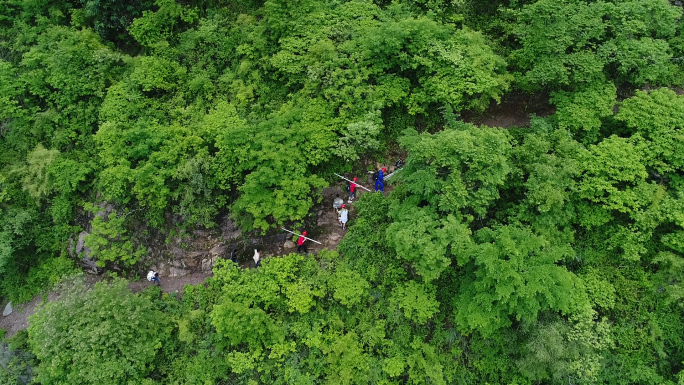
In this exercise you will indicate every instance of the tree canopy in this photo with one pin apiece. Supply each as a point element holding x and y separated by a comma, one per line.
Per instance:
<point>549,253</point>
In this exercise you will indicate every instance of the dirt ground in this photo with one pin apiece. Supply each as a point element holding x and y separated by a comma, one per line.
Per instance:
<point>329,230</point>
<point>171,284</point>
<point>18,320</point>
<point>515,110</point>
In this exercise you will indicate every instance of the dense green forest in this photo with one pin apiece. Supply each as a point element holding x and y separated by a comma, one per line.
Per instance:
<point>546,254</point>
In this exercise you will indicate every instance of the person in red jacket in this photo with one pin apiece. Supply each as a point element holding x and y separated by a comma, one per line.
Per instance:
<point>352,191</point>
<point>300,244</point>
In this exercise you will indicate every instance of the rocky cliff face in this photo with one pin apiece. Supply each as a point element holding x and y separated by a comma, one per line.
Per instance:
<point>171,256</point>
<point>193,252</point>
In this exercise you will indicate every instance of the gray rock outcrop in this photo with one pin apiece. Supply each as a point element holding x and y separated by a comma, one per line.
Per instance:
<point>82,250</point>
<point>8,309</point>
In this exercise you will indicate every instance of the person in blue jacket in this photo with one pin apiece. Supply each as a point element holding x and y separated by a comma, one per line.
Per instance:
<point>379,183</point>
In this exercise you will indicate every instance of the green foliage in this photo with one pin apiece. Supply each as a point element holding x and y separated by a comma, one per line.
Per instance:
<point>546,254</point>
<point>16,361</point>
<point>109,242</point>
<point>657,117</point>
<point>155,27</point>
<point>24,287</point>
<point>350,288</point>
<point>35,178</point>
<point>613,163</point>
<point>582,110</point>
<point>435,172</point>
<point>573,43</point>
<point>109,18</point>
<point>154,73</point>
<point>563,350</point>
<point>359,137</point>
<point>451,177</point>
<point>297,92</point>
<point>103,335</point>
<point>551,165</point>
<point>417,301</point>
<point>513,273</point>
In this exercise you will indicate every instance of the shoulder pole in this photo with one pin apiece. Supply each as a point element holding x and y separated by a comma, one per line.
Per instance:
<point>390,175</point>
<point>292,232</point>
<point>350,181</point>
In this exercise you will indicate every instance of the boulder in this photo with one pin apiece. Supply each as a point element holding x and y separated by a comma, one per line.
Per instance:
<point>334,237</point>
<point>176,251</point>
<point>88,263</point>
<point>201,233</point>
<point>207,264</point>
<point>196,254</point>
<point>80,245</point>
<point>162,268</point>
<point>219,249</point>
<point>289,245</point>
<point>229,230</point>
<point>8,309</point>
<point>190,263</point>
<point>176,272</point>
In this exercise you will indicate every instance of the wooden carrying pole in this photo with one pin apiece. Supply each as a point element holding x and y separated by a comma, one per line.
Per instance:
<point>351,181</point>
<point>292,232</point>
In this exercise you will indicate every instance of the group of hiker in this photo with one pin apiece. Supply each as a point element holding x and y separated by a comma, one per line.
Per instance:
<point>338,206</point>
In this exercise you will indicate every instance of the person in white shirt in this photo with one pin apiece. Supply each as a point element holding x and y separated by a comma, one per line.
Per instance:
<point>343,216</point>
<point>257,257</point>
<point>153,277</point>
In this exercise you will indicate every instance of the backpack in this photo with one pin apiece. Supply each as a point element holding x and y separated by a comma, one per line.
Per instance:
<point>150,275</point>
<point>375,176</point>
<point>348,187</point>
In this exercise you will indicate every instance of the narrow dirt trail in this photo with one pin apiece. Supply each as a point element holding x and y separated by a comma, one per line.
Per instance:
<point>329,230</point>
<point>18,320</point>
<point>171,284</point>
<point>514,110</point>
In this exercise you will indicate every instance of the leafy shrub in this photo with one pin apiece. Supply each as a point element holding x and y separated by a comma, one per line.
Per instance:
<point>17,363</point>
<point>103,335</point>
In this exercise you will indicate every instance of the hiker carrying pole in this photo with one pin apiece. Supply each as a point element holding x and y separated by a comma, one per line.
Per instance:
<point>300,235</point>
<point>356,183</point>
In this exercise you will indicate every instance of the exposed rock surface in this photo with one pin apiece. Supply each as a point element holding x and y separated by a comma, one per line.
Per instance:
<point>230,231</point>
<point>176,272</point>
<point>207,264</point>
<point>89,264</point>
<point>80,245</point>
<point>8,309</point>
<point>218,250</point>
